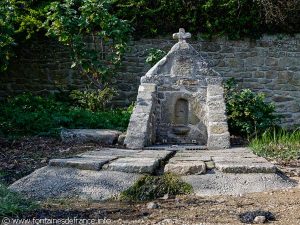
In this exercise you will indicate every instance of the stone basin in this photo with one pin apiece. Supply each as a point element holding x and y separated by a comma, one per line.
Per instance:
<point>181,129</point>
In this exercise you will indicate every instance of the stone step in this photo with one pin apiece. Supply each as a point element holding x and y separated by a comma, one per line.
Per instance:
<point>110,152</point>
<point>160,154</point>
<point>190,158</point>
<point>85,163</point>
<point>245,167</point>
<point>183,147</point>
<point>186,167</point>
<point>134,165</point>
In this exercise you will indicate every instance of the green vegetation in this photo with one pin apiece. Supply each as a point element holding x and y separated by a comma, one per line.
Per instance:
<point>234,18</point>
<point>153,187</point>
<point>154,55</point>
<point>13,204</point>
<point>280,143</point>
<point>111,22</point>
<point>248,113</point>
<point>71,22</point>
<point>31,115</point>
<point>94,100</point>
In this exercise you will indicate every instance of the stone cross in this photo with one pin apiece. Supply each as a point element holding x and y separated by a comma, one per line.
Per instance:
<point>181,35</point>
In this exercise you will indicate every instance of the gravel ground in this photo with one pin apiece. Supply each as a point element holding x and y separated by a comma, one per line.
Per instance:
<point>55,182</point>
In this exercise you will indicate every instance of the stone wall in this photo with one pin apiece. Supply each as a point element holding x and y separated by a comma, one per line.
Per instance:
<point>270,65</point>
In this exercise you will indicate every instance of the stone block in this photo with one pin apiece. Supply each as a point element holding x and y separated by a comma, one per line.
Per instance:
<point>216,116</point>
<point>159,154</point>
<point>271,61</point>
<point>243,167</point>
<point>217,128</point>
<point>121,139</point>
<point>108,152</point>
<point>81,163</point>
<point>218,141</point>
<point>134,165</point>
<point>186,157</point>
<point>107,137</point>
<point>210,165</point>
<point>186,168</point>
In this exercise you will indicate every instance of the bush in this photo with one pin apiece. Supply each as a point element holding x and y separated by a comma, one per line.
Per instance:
<point>278,143</point>
<point>13,204</point>
<point>248,113</point>
<point>35,115</point>
<point>154,55</point>
<point>153,187</point>
<point>93,100</point>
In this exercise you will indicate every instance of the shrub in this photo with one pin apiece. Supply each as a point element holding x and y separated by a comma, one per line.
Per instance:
<point>153,187</point>
<point>278,143</point>
<point>31,115</point>
<point>248,113</point>
<point>13,204</point>
<point>154,55</point>
<point>93,100</point>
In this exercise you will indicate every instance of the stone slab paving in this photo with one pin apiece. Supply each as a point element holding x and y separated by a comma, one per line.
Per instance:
<point>234,173</point>
<point>56,182</point>
<point>219,183</point>
<point>134,165</point>
<point>236,160</point>
<point>245,167</point>
<point>110,152</point>
<point>130,161</point>
<point>81,163</point>
<point>160,154</point>
<point>186,167</point>
<point>176,147</point>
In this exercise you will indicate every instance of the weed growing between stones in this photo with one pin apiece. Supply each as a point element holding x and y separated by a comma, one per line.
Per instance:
<point>13,204</point>
<point>153,187</point>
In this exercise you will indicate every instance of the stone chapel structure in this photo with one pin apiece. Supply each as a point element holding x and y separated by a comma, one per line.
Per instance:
<point>180,101</point>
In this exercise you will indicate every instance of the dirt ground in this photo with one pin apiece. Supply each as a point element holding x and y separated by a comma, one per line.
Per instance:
<point>19,158</point>
<point>284,204</point>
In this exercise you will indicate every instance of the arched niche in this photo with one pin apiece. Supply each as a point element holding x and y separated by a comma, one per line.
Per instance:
<point>181,112</point>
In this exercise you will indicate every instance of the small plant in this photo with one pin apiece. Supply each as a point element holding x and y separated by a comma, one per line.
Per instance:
<point>154,55</point>
<point>13,204</point>
<point>94,100</point>
<point>280,143</point>
<point>153,187</point>
<point>248,113</point>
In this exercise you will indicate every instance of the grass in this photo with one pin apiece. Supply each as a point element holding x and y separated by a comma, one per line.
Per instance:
<point>281,144</point>
<point>12,204</point>
<point>153,187</point>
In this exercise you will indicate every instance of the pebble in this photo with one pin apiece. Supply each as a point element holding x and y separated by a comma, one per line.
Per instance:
<point>152,205</point>
<point>165,197</point>
<point>260,219</point>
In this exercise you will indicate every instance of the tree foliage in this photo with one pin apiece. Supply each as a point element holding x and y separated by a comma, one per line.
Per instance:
<point>103,23</point>
<point>71,22</point>
<point>74,21</point>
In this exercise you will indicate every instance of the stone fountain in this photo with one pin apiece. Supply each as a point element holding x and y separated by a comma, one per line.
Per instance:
<point>180,101</point>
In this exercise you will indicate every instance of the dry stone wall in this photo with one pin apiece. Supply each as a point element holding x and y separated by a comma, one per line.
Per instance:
<point>270,65</point>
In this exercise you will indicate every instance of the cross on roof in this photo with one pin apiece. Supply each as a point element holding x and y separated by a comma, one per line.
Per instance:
<point>181,35</point>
